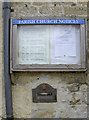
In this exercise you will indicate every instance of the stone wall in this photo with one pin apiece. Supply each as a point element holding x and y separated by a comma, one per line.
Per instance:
<point>2,89</point>
<point>71,86</point>
<point>0,68</point>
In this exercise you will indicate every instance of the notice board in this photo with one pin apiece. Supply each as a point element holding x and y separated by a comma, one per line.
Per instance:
<point>48,44</point>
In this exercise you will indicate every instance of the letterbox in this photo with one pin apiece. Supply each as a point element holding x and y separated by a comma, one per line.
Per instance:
<point>44,93</point>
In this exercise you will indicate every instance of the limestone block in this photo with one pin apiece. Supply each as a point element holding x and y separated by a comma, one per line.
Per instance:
<point>38,3</point>
<point>0,9</point>
<point>51,10</point>
<point>69,111</point>
<point>85,98</point>
<point>76,98</point>
<point>43,110</point>
<point>57,10</point>
<point>55,78</point>
<point>63,97</point>
<point>88,88</point>
<point>62,111</point>
<point>22,99</point>
<point>23,10</point>
<point>87,81</point>
<point>75,10</point>
<point>78,111</point>
<point>45,10</point>
<point>73,87</point>
<point>83,88</point>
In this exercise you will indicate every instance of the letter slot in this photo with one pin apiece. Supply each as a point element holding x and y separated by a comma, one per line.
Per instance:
<point>44,93</point>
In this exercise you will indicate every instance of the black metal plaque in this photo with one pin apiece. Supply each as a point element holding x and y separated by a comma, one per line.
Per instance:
<point>44,93</point>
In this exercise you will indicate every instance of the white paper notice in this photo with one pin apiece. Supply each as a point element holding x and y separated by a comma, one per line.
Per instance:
<point>64,40</point>
<point>34,44</point>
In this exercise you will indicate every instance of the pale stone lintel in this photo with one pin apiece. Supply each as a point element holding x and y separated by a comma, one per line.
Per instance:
<point>75,1</point>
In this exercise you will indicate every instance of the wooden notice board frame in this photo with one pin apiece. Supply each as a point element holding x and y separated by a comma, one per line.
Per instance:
<point>14,66</point>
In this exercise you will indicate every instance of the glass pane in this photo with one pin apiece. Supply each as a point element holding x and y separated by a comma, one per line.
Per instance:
<point>49,44</point>
<point>33,44</point>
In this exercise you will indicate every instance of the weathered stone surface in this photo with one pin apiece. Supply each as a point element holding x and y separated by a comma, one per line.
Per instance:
<point>71,101</point>
<point>79,111</point>
<point>22,101</point>
<point>23,10</point>
<point>87,81</point>
<point>65,111</point>
<point>57,10</point>
<point>43,110</point>
<point>84,88</point>
<point>63,97</point>
<point>86,98</point>
<point>69,78</point>
<point>76,98</point>
<point>74,87</point>
<point>38,3</point>
<point>75,10</point>
<point>45,10</point>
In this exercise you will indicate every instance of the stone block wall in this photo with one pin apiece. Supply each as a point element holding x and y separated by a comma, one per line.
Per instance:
<point>0,72</point>
<point>71,86</point>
